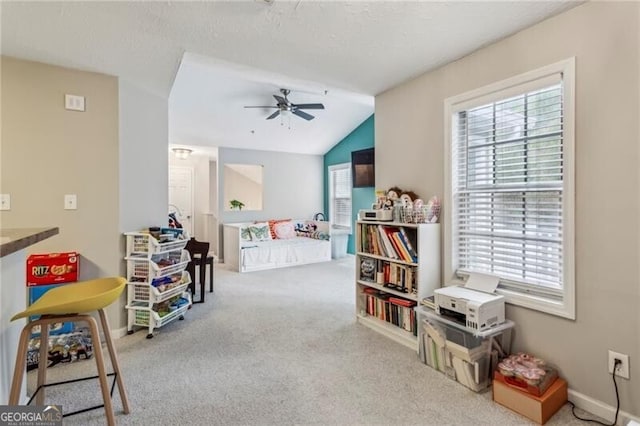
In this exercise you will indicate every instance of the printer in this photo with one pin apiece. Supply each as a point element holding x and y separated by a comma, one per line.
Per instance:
<point>475,304</point>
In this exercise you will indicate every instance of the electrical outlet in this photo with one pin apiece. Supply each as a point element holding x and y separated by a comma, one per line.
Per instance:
<point>70,202</point>
<point>623,369</point>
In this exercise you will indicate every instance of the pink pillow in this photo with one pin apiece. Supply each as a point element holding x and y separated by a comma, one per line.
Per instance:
<point>284,230</point>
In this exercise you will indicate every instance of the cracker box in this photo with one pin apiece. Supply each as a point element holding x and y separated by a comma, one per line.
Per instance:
<point>52,268</point>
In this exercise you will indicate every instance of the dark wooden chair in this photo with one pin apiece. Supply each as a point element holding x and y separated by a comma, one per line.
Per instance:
<point>199,255</point>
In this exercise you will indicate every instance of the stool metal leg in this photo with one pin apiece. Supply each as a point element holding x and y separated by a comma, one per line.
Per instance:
<point>114,360</point>
<point>43,361</point>
<point>20,367</point>
<point>102,375</point>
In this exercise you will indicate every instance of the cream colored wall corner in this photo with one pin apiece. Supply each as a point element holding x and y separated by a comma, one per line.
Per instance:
<point>48,151</point>
<point>605,39</point>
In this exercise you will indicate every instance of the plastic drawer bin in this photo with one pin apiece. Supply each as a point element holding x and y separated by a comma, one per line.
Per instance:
<point>466,356</point>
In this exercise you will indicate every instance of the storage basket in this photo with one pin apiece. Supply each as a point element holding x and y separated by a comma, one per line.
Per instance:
<point>143,292</point>
<point>142,317</point>
<point>162,320</point>
<point>161,265</point>
<point>140,243</point>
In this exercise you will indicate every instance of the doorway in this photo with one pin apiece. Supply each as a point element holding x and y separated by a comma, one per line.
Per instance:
<point>181,196</point>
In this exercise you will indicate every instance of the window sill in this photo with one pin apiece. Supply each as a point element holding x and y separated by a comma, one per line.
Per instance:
<point>558,308</point>
<point>537,303</point>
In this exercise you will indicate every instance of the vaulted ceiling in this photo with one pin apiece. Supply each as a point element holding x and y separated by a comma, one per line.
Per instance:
<point>240,53</point>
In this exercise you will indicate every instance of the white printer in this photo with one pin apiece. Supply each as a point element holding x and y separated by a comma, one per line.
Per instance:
<point>475,303</point>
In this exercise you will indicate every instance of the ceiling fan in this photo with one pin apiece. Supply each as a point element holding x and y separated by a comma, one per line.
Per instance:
<point>284,105</point>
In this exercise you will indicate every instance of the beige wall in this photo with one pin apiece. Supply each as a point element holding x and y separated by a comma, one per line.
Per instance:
<point>48,151</point>
<point>236,183</point>
<point>604,38</point>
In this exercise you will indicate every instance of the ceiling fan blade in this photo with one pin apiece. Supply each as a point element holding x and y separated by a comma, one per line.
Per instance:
<point>308,106</point>
<point>270,106</point>
<point>281,100</point>
<point>302,114</point>
<point>274,115</point>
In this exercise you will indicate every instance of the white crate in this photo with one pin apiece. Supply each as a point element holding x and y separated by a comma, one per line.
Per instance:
<point>146,317</point>
<point>142,269</point>
<point>145,292</point>
<point>144,244</point>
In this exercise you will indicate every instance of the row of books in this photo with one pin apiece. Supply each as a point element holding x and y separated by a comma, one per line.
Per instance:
<point>388,241</point>
<point>394,310</point>
<point>393,275</point>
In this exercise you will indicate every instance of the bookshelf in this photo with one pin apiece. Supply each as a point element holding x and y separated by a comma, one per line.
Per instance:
<point>397,265</point>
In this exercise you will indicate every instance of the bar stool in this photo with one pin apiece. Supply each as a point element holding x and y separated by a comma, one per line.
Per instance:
<point>67,303</point>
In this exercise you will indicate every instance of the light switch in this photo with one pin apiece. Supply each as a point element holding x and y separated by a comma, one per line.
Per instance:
<point>74,102</point>
<point>5,202</point>
<point>70,202</point>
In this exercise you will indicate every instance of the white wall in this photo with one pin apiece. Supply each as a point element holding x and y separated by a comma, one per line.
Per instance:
<point>213,206</point>
<point>143,158</point>
<point>603,36</point>
<point>143,174</point>
<point>292,185</point>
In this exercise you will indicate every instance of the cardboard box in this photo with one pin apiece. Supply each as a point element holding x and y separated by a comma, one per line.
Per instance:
<point>52,268</point>
<point>537,408</point>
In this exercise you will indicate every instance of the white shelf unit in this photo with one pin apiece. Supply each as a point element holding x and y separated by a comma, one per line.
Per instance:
<point>155,274</point>
<point>420,276</point>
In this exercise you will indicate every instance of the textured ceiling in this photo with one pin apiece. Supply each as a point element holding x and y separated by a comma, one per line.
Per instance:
<point>354,47</point>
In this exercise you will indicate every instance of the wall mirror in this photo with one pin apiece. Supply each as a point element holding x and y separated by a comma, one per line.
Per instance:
<point>242,187</point>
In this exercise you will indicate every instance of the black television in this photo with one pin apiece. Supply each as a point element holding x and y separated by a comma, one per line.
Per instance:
<point>362,168</point>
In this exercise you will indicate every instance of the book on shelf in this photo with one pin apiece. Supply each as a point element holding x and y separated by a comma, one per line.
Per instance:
<point>368,269</point>
<point>388,231</point>
<point>407,242</point>
<point>394,310</point>
<point>402,249</point>
<point>386,243</point>
<point>429,302</point>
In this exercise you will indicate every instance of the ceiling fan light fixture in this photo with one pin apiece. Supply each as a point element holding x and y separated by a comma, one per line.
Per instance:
<point>284,106</point>
<point>182,153</point>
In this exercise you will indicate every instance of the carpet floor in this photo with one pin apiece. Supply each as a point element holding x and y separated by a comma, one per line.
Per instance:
<point>278,347</point>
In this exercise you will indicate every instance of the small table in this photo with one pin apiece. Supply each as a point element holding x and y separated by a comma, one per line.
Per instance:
<point>209,265</point>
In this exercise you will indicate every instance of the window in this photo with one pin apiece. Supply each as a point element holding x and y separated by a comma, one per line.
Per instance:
<point>340,195</point>
<point>510,187</point>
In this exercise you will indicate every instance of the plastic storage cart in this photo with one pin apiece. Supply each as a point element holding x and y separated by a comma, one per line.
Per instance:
<point>157,281</point>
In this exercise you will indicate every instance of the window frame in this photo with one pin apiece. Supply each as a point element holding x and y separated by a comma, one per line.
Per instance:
<point>563,306</point>
<point>330,170</point>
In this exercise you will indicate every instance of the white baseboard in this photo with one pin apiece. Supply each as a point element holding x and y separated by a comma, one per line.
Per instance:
<point>600,409</point>
<point>118,333</point>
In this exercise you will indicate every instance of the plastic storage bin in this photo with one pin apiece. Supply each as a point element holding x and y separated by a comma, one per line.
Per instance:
<point>463,355</point>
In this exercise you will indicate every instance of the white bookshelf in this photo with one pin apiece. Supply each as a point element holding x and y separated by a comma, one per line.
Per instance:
<point>402,279</point>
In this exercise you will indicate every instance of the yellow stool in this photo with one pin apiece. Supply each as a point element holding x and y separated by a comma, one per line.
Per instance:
<point>67,303</point>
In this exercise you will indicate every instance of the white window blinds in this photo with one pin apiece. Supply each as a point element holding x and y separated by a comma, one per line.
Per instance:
<point>507,187</point>
<point>340,195</point>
